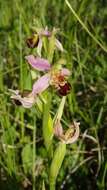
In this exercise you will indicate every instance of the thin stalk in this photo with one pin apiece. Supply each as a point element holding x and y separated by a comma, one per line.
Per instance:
<point>85,28</point>
<point>34,155</point>
<point>20,38</point>
<point>1,74</point>
<point>52,186</point>
<point>21,73</point>
<point>48,126</point>
<point>79,61</point>
<point>60,109</point>
<point>56,164</point>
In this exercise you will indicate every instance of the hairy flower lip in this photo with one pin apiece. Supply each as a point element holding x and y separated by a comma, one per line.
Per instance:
<point>36,40</point>
<point>54,77</point>
<point>64,89</point>
<point>16,102</point>
<point>33,41</point>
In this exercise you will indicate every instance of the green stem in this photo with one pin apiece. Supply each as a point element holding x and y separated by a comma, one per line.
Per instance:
<point>56,164</point>
<point>52,186</point>
<point>60,109</point>
<point>21,74</point>
<point>48,125</point>
<point>34,155</point>
<point>20,40</point>
<point>1,74</point>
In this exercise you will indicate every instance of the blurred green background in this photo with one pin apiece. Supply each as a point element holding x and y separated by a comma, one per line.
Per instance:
<point>85,164</point>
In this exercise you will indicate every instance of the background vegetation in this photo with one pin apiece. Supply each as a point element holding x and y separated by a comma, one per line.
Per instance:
<point>85,164</point>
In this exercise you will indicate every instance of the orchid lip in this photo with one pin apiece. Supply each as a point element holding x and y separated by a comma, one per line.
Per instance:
<point>16,102</point>
<point>65,89</point>
<point>32,41</point>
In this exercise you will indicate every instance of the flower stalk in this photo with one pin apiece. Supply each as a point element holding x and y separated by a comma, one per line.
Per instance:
<point>58,158</point>
<point>47,125</point>
<point>56,77</point>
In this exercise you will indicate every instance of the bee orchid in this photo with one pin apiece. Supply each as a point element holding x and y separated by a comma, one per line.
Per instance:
<point>54,77</point>
<point>36,40</point>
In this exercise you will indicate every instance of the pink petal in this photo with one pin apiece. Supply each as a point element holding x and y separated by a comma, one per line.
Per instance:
<point>28,102</point>
<point>65,72</point>
<point>46,32</point>
<point>41,84</point>
<point>38,63</point>
<point>58,130</point>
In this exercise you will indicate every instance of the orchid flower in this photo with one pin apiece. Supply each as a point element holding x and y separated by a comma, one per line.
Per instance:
<point>68,137</point>
<point>53,77</point>
<point>36,40</point>
<point>26,99</point>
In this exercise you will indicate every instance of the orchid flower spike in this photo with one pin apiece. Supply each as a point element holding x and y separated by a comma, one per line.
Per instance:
<point>68,137</point>
<point>36,40</point>
<point>54,77</point>
<point>26,99</point>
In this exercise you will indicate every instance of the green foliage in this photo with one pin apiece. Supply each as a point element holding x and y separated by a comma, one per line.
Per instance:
<point>83,33</point>
<point>51,48</point>
<point>47,124</point>
<point>27,158</point>
<point>57,160</point>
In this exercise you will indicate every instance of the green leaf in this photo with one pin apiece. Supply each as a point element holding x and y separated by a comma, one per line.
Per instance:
<point>28,81</point>
<point>27,158</point>
<point>60,109</point>
<point>47,123</point>
<point>59,155</point>
<point>9,136</point>
<point>43,186</point>
<point>48,133</point>
<point>51,48</point>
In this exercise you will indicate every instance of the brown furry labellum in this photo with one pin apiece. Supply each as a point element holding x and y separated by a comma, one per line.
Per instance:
<point>65,89</point>
<point>16,102</point>
<point>33,41</point>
